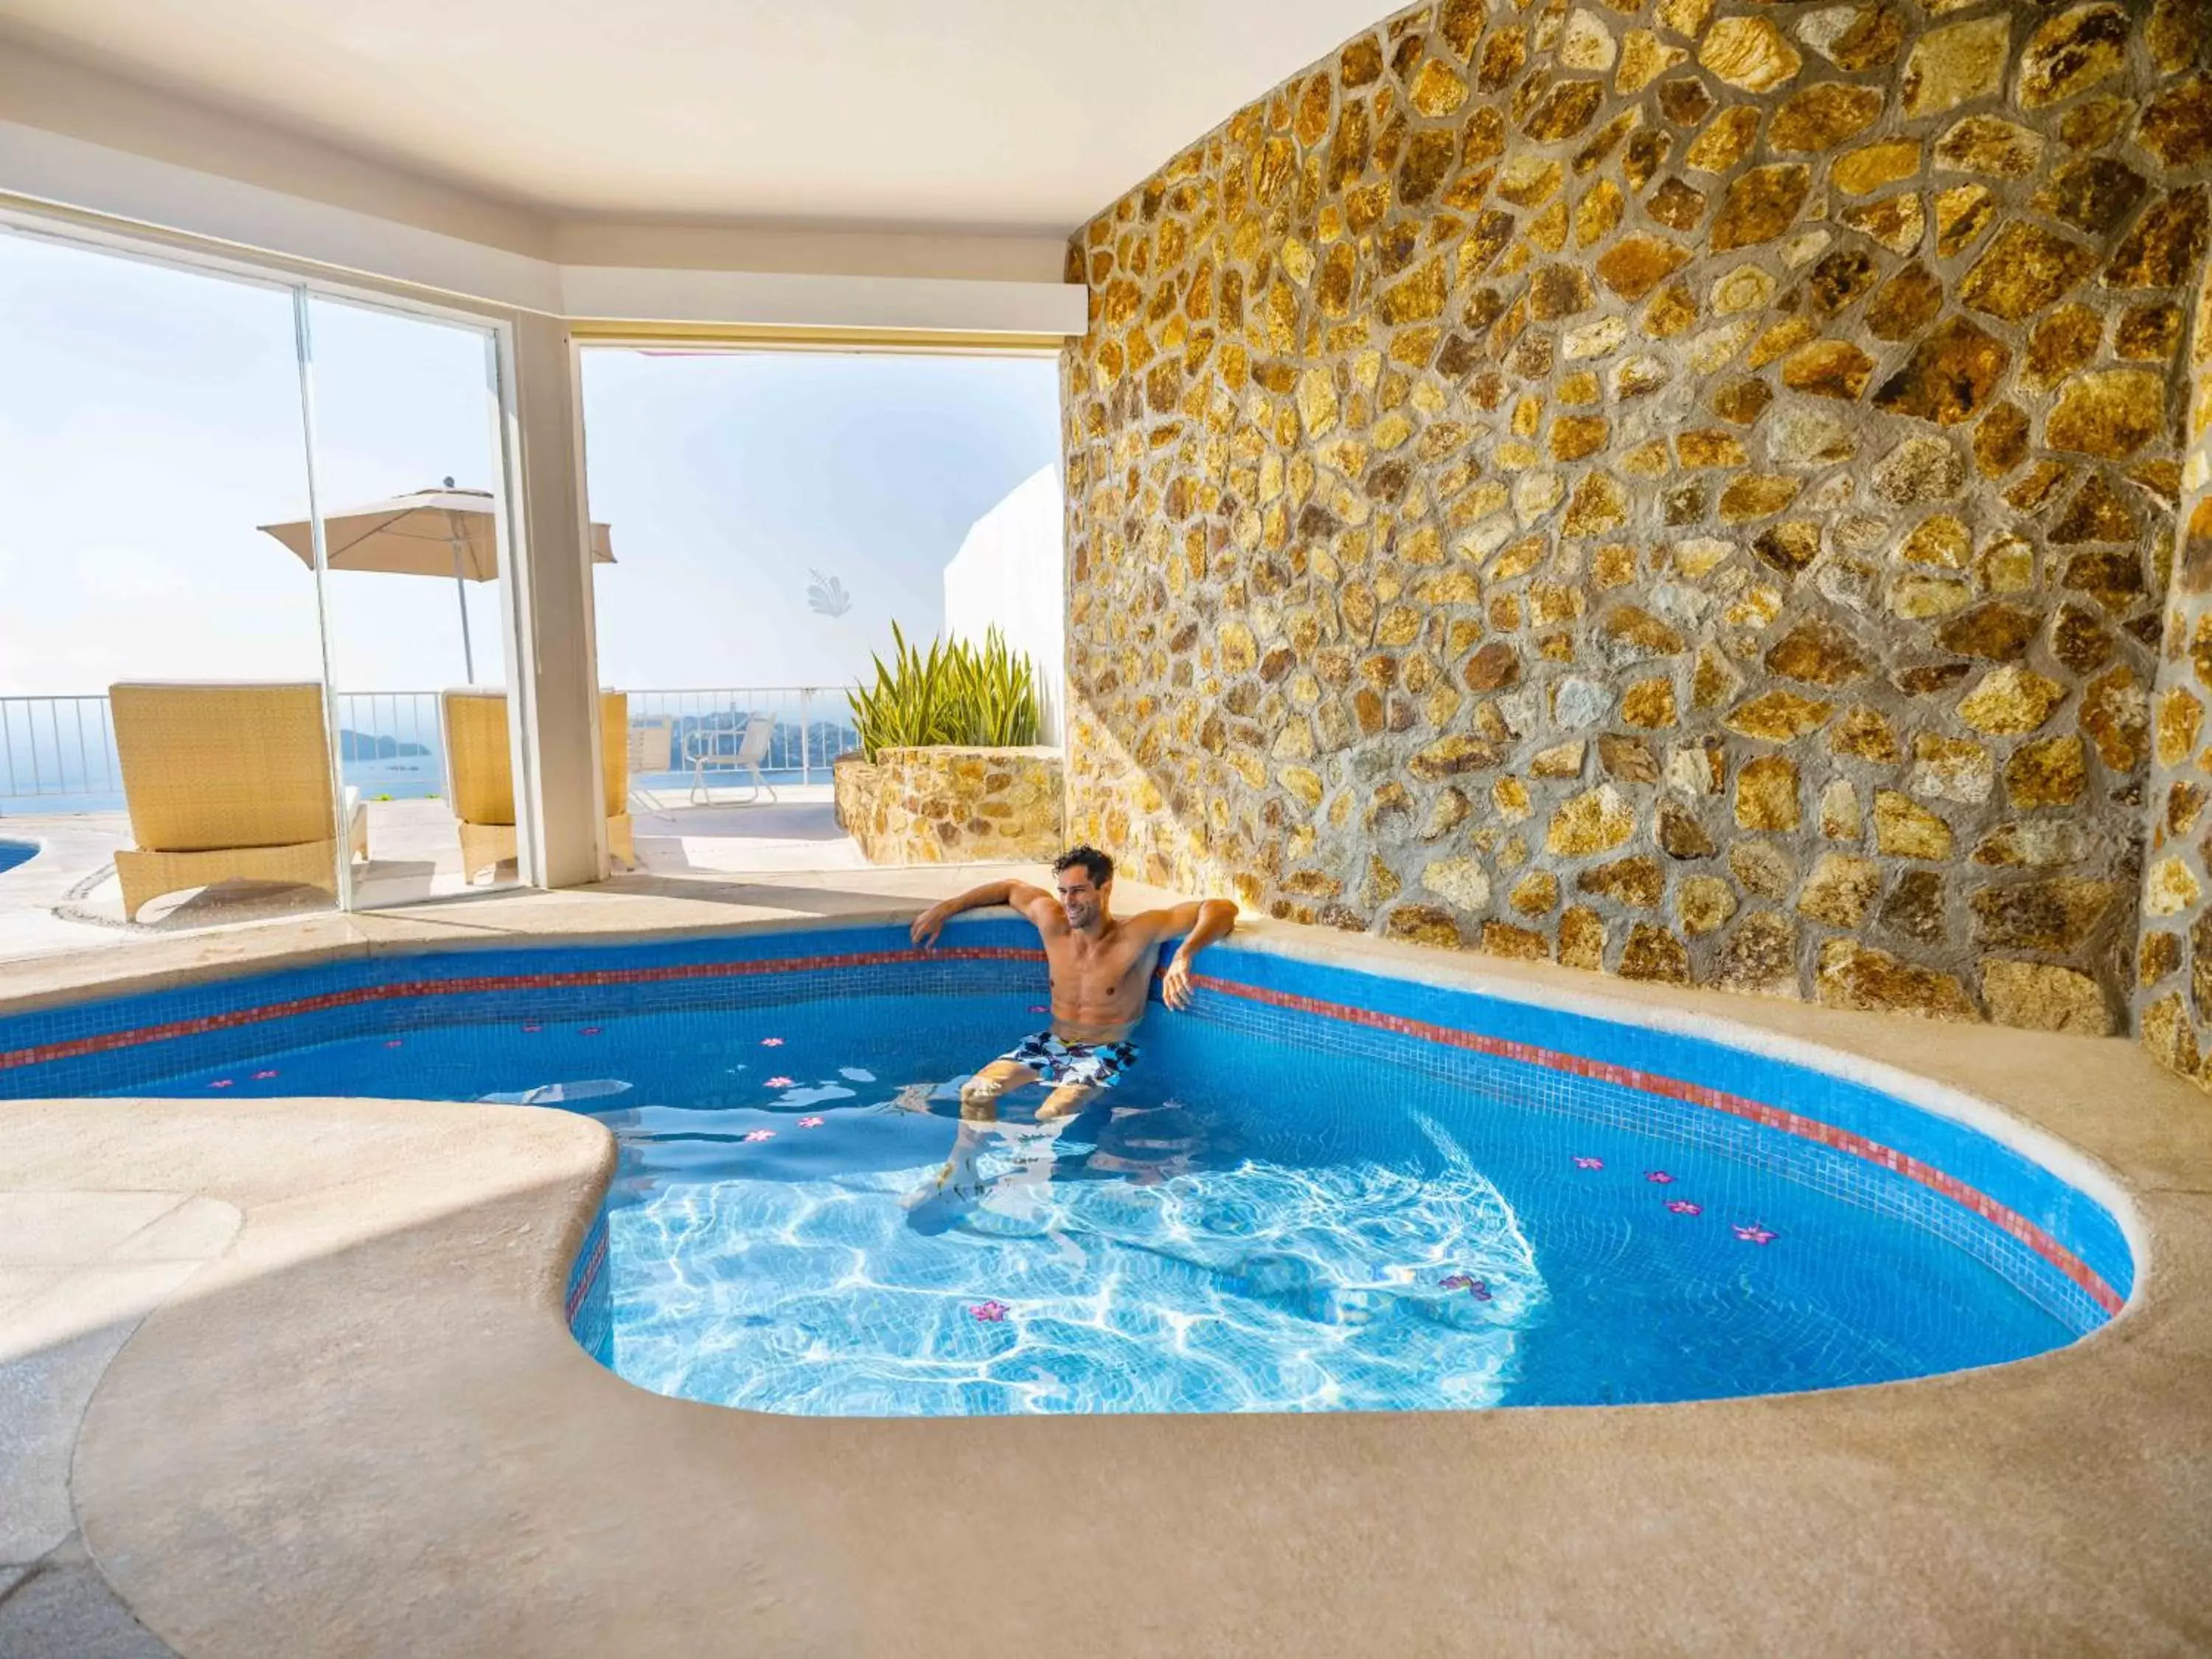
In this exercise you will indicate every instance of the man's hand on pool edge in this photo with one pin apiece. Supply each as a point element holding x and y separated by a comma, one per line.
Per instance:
<point>1017,895</point>
<point>1175,987</point>
<point>1206,921</point>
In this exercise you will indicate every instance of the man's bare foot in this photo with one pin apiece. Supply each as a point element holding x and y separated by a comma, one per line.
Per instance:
<point>957,1187</point>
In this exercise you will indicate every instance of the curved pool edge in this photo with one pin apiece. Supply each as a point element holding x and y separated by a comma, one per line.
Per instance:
<point>2011,1185</point>
<point>243,1508</point>
<point>1940,1185</point>
<point>297,1503</point>
<point>1722,1025</point>
<point>1851,1045</point>
<point>1731,1020</point>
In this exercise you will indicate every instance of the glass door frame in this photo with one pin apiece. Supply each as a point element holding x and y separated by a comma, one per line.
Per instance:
<point>304,283</point>
<point>733,339</point>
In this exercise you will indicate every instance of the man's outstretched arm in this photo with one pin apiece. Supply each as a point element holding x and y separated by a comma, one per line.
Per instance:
<point>1201,923</point>
<point>1018,894</point>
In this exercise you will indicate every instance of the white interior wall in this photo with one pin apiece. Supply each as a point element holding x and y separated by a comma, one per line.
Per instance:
<point>1010,572</point>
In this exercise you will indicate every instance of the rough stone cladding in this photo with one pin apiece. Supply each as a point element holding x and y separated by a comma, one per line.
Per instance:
<point>1684,489</point>
<point>2173,960</point>
<point>951,804</point>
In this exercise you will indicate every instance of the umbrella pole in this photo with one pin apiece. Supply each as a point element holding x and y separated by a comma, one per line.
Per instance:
<point>461,589</point>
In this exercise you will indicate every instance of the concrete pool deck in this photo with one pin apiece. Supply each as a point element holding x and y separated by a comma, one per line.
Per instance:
<point>354,1422</point>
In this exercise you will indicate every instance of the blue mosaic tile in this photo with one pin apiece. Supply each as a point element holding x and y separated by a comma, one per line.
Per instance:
<point>2076,1221</point>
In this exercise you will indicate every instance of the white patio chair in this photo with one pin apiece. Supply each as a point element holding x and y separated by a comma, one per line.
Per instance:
<point>724,745</point>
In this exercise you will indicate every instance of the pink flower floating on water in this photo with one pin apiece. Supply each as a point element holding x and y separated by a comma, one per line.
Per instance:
<point>393,1043</point>
<point>221,1083</point>
<point>771,1042</point>
<point>991,1313</point>
<point>1683,1206</point>
<point>1755,1234</point>
<point>1040,1007</point>
<point>1659,1176</point>
<point>589,1031</point>
<point>760,1135</point>
<point>1589,1164</point>
<point>1479,1289</point>
<point>810,1122</point>
<point>779,1083</point>
<point>259,1076</point>
<point>533,1028</point>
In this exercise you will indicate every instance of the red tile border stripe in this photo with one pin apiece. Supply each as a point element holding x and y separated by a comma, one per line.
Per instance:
<point>1695,1094</point>
<point>108,1042</point>
<point>1972,1199</point>
<point>589,1273</point>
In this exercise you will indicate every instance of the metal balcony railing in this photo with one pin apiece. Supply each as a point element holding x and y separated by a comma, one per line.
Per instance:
<point>58,754</point>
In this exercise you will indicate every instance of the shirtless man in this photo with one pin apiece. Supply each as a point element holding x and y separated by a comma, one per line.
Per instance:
<point>1101,967</point>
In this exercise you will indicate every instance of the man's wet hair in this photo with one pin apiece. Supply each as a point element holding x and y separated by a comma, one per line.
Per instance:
<point>1101,867</point>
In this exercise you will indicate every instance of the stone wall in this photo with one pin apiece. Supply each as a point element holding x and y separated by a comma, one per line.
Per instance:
<point>1683,489</point>
<point>952,806</point>
<point>2173,963</point>
<point>852,787</point>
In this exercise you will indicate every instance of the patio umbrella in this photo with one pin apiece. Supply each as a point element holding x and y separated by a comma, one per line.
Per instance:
<point>431,532</point>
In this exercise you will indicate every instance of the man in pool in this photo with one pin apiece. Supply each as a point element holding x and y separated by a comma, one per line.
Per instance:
<point>1101,967</point>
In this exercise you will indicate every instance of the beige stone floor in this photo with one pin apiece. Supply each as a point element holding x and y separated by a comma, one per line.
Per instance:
<point>358,1425</point>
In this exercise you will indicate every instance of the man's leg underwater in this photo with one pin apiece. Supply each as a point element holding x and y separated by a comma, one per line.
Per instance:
<point>1034,1148</point>
<point>979,1096</point>
<point>1067,1100</point>
<point>958,1185</point>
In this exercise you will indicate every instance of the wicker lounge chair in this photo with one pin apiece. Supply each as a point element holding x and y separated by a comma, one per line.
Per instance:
<point>226,783</point>
<point>652,753</point>
<point>480,776</point>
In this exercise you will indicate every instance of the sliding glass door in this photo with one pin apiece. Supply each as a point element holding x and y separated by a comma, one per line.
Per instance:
<point>409,484</point>
<point>252,534</point>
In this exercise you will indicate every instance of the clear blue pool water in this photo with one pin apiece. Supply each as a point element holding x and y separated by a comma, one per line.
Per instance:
<point>13,853</point>
<point>1243,1225</point>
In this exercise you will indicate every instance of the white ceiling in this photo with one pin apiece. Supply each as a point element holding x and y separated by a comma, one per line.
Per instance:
<point>1006,115</point>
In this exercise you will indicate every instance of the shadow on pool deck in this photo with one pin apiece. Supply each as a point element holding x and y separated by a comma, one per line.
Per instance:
<point>78,1272</point>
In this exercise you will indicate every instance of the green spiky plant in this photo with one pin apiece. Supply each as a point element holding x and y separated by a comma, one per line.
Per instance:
<point>951,694</point>
<point>999,688</point>
<point>913,701</point>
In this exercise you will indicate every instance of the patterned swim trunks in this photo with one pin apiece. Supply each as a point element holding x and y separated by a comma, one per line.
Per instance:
<point>1100,1065</point>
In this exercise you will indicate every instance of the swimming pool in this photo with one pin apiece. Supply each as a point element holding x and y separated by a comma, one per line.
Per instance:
<point>1321,1189</point>
<point>13,853</point>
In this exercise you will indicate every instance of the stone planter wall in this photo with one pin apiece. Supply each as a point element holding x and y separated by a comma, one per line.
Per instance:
<point>852,781</point>
<point>952,806</point>
<point>1681,487</point>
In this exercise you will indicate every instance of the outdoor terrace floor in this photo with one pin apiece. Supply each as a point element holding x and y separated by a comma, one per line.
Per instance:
<point>299,1382</point>
<point>66,898</point>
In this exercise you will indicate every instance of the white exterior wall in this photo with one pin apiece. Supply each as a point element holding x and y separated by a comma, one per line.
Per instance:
<point>1010,572</point>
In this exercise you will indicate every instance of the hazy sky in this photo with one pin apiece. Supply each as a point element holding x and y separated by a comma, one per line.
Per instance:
<point>728,478</point>
<point>149,421</point>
